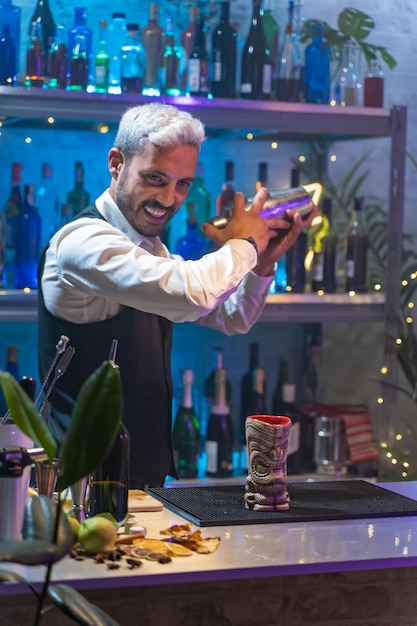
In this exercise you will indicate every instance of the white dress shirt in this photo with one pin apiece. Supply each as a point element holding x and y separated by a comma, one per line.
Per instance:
<point>94,268</point>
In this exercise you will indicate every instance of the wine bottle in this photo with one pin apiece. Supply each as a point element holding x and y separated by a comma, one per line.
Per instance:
<point>42,15</point>
<point>288,77</point>
<point>47,202</point>
<point>374,86</point>
<point>256,405</point>
<point>8,74</point>
<point>192,245</point>
<point>102,61</point>
<point>288,408</point>
<point>220,437</point>
<point>324,246</point>
<point>172,63</point>
<point>256,70</point>
<point>35,57</point>
<point>198,64</point>
<point>10,15</point>
<point>152,41</point>
<point>209,387</point>
<point>347,86</point>
<point>58,59</point>
<point>228,188</point>
<point>246,385</point>
<point>317,67</point>
<point>132,62</point>
<point>296,254</point>
<point>357,251</point>
<point>108,484</point>
<point>187,43</point>
<point>11,366</point>
<point>223,56</point>
<point>78,197</point>
<point>116,39</point>
<point>186,431</point>
<point>271,29</point>
<point>28,242</point>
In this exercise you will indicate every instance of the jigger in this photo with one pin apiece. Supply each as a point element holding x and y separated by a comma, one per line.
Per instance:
<point>78,491</point>
<point>46,475</point>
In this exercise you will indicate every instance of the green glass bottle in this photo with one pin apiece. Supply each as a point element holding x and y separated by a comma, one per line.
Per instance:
<point>78,197</point>
<point>186,431</point>
<point>102,61</point>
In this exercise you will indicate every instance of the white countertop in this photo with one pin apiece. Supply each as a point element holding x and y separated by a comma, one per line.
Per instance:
<point>261,550</point>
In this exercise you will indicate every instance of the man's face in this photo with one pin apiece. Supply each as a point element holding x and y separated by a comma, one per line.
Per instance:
<point>150,188</point>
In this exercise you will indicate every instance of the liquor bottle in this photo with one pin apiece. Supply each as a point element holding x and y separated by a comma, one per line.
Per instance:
<point>42,15</point>
<point>288,78</point>
<point>271,29</point>
<point>79,65</point>
<point>209,388</point>
<point>172,63</point>
<point>8,74</point>
<point>374,86</point>
<point>152,41</point>
<point>288,408</point>
<point>47,202</point>
<point>28,242</point>
<point>228,189</point>
<point>186,431</point>
<point>324,261</point>
<point>256,70</point>
<point>357,251</point>
<point>317,67</point>
<point>192,245</point>
<point>10,15</point>
<point>11,212</point>
<point>223,56</point>
<point>80,50</point>
<point>102,61</point>
<point>132,62</point>
<point>187,43</point>
<point>11,366</point>
<point>78,197</point>
<point>201,200</point>
<point>198,64</point>
<point>296,254</point>
<point>116,39</point>
<point>220,437</point>
<point>109,483</point>
<point>58,59</point>
<point>347,86</point>
<point>246,387</point>
<point>35,57</point>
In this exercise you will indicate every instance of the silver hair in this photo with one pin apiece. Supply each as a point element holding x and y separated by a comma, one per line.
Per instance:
<point>162,125</point>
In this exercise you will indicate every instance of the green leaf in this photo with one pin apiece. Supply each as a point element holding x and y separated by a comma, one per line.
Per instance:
<point>93,426</point>
<point>39,524</point>
<point>78,608</point>
<point>25,414</point>
<point>34,552</point>
<point>355,24</point>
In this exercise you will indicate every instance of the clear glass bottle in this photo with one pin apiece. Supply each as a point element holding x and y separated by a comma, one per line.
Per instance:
<point>186,431</point>
<point>58,59</point>
<point>287,80</point>
<point>132,62</point>
<point>256,66</point>
<point>8,75</point>
<point>172,63</point>
<point>35,57</point>
<point>28,242</point>
<point>80,29</point>
<point>374,86</point>
<point>347,85</point>
<point>271,29</point>
<point>116,39</point>
<point>10,15</point>
<point>152,41</point>
<point>102,61</point>
<point>317,67</point>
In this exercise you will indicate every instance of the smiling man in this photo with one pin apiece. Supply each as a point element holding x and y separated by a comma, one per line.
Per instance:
<point>107,275</point>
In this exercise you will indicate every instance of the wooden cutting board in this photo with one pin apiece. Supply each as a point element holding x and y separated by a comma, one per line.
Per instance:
<point>140,501</point>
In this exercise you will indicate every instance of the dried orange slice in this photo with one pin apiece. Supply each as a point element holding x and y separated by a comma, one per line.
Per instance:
<point>156,545</point>
<point>177,549</point>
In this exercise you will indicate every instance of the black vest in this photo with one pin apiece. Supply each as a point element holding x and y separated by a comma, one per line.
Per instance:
<point>143,356</point>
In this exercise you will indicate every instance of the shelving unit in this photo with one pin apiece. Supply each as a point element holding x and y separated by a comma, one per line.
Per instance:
<point>30,107</point>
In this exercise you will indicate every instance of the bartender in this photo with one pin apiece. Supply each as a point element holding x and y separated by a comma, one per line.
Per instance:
<point>107,275</point>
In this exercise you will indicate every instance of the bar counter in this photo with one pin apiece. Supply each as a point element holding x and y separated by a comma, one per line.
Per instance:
<point>331,573</point>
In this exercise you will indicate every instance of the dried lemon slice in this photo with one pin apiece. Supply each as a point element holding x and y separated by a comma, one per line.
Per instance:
<point>156,545</point>
<point>177,549</point>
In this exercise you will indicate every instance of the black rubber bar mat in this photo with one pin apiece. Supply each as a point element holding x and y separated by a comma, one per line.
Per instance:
<point>312,501</point>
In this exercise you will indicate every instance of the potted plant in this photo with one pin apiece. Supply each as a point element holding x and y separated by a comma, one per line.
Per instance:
<point>46,534</point>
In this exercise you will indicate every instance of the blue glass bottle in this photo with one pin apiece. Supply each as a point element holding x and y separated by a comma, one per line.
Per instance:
<point>11,15</point>
<point>317,67</point>
<point>191,246</point>
<point>80,28</point>
<point>7,57</point>
<point>28,242</point>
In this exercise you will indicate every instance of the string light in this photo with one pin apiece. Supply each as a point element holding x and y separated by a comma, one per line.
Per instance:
<point>398,341</point>
<point>380,400</point>
<point>384,369</point>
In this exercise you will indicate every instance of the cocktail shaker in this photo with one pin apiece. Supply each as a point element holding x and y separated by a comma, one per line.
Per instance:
<point>276,205</point>
<point>13,491</point>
